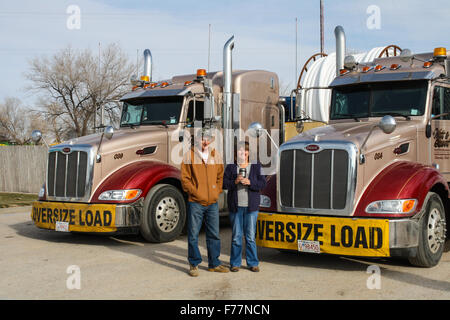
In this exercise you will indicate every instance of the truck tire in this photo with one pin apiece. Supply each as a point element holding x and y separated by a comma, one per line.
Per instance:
<point>431,233</point>
<point>164,214</point>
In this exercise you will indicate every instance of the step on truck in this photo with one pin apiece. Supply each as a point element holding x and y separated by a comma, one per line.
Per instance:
<point>374,182</point>
<point>128,180</point>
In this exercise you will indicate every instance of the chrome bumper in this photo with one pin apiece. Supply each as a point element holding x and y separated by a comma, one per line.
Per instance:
<point>129,215</point>
<point>403,233</point>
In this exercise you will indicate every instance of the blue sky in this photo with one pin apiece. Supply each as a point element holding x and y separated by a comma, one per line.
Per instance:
<point>177,32</point>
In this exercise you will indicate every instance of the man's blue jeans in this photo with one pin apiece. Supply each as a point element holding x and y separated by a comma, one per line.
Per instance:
<point>243,224</point>
<point>196,214</point>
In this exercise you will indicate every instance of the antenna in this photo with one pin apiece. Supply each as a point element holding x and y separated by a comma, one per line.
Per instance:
<point>321,27</point>
<point>209,45</point>
<point>296,53</point>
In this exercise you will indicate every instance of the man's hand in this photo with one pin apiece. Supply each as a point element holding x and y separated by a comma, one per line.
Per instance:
<point>238,179</point>
<point>245,181</point>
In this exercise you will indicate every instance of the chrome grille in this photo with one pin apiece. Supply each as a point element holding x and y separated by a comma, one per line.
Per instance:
<point>322,180</point>
<point>69,173</point>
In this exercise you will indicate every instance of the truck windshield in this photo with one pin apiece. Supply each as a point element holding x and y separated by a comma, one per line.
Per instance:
<point>405,98</point>
<point>164,110</point>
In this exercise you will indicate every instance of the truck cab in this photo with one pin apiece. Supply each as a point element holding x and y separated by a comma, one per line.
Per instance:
<point>374,181</point>
<point>128,180</point>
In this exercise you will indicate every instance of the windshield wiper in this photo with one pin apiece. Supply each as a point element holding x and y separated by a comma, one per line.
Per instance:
<point>131,125</point>
<point>347,116</point>
<point>157,122</point>
<point>394,114</point>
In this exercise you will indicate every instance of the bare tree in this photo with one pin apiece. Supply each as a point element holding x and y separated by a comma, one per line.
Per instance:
<point>17,122</point>
<point>75,84</point>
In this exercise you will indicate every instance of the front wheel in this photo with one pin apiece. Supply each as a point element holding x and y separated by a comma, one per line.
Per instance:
<point>431,233</point>
<point>164,214</point>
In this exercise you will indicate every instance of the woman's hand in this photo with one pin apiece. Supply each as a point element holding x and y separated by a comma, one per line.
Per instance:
<point>245,181</point>
<point>238,179</point>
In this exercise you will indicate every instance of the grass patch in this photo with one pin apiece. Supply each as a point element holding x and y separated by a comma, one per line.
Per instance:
<point>8,200</point>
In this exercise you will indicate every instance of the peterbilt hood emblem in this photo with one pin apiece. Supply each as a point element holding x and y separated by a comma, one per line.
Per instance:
<point>66,150</point>
<point>312,148</point>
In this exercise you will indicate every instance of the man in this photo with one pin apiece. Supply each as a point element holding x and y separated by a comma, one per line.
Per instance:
<point>201,178</point>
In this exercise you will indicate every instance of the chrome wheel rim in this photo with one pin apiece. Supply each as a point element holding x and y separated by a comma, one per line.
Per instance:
<point>167,214</point>
<point>435,230</point>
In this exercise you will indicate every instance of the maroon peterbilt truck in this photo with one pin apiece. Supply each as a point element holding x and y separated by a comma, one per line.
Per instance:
<point>374,181</point>
<point>128,180</point>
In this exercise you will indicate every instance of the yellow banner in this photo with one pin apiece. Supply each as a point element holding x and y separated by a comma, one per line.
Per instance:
<point>74,216</point>
<point>345,236</point>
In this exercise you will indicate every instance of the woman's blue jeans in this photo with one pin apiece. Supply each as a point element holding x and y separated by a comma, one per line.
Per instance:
<point>243,223</point>
<point>210,214</point>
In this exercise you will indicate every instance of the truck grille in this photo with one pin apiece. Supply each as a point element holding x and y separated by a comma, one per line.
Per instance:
<point>313,181</point>
<point>68,174</point>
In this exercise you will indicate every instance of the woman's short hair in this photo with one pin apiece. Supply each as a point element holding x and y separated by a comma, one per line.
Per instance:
<point>239,145</point>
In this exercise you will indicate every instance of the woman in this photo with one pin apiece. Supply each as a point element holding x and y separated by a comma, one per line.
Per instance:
<point>244,183</point>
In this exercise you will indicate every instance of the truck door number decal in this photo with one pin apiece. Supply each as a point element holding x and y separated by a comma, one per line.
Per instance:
<point>118,156</point>
<point>378,156</point>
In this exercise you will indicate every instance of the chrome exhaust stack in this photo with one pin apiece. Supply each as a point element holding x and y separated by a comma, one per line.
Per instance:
<point>227,99</point>
<point>148,64</point>
<point>340,48</point>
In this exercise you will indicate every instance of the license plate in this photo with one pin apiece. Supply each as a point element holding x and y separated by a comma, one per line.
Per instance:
<point>62,226</point>
<point>309,246</point>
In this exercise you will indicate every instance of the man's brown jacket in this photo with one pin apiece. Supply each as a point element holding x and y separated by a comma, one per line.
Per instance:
<point>202,182</point>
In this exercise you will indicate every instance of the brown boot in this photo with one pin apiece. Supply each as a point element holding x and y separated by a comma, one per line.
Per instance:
<point>193,271</point>
<point>220,268</point>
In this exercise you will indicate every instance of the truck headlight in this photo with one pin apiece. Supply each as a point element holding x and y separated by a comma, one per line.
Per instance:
<point>265,202</point>
<point>120,195</point>
<point>392,206</point>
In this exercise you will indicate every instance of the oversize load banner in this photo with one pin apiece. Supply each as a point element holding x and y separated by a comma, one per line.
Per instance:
<point>346,236</point>
<point>80,217</point>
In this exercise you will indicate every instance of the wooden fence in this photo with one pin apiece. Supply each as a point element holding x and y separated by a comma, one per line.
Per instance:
<point>22,168</point>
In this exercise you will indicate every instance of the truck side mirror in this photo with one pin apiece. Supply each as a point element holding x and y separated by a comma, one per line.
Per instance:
<point>208,107</point>
<point>387,124</point>
<point>428,130</point>
<point>109,132</point>
<point>36,136</point>
<point>255,129</point>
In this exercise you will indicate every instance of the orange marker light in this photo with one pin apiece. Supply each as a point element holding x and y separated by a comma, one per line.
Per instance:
<point>379,68</point>
<point>201,73</point>
<point>427,64</point>
<point>145,78</point>
<point>187,83</point>
<point>131,194</point>
<point>343,71</point>
<point>366,69</point>
<point>408,205</point>
<point>395,66</point>
<point>440,52</point>
<point>164,84</point>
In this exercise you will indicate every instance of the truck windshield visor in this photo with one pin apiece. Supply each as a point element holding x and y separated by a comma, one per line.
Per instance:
<point>161,110</point>
<point>405,98</point>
